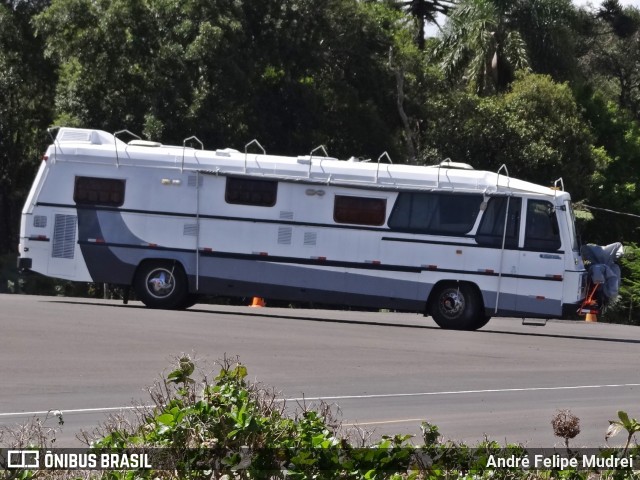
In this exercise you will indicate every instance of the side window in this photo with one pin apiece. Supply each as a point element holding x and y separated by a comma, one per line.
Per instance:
<point>251,191</point>
<point>359,210</point>
<point>541,230</point>
<point>491,227</point>
<point>108,192</point>
<point>435,213</point>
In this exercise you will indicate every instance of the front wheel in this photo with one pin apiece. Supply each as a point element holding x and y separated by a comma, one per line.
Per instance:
<point>161,284</point>
<point>457,306</point>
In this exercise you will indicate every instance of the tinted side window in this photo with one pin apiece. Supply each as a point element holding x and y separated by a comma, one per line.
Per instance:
<point>359,210</point>
<point>491,226</point>
<point>435,213</point>
<point>541,230</point>
<point>251,191</point>
<point>108,192</point>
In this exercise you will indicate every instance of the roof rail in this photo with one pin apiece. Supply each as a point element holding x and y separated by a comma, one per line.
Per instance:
<point>319,147</point>
<point>256,142</point>
<point>561,182</point>
<point>184,146</point>
<point>384,154</point>
<point>440,165</point>
<point>115,138</point>
<point>54,140</point>
<point>503,166</point>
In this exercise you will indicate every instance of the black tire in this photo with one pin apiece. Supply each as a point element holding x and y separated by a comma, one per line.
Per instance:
<point>190,301</point>
<point>161,284</point>
<point>457,306</point>
<point>482,321</point>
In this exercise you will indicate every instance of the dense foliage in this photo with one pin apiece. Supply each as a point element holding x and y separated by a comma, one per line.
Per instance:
<point>27,86</point>
<point>549,89</point>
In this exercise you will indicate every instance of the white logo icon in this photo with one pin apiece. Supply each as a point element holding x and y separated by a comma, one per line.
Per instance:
<point>24,459</point>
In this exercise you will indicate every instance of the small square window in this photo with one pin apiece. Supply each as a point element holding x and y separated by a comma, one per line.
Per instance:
<point>359,210</point>
<point>107,192</point>
<point>250,191</point>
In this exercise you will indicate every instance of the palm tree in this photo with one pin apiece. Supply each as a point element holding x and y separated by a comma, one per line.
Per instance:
<point>423,12</point>
<point>481,44</point>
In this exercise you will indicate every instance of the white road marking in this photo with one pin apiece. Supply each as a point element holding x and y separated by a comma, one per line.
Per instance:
<point>462,392</point>
<point>342,397</point>
<point>385,422</point>
<point>64,412</point>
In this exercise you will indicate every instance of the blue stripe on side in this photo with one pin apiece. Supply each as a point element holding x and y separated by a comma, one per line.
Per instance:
<point>104,264</point>
<point>288,278</point>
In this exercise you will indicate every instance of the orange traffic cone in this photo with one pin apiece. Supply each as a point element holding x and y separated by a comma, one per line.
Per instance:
<point>591,318</point>
<point>257,302</point>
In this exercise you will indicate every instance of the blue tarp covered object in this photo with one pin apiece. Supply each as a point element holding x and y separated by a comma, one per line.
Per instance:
<point>603,268</point>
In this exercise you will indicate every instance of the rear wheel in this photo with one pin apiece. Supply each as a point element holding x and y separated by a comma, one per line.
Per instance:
<point>190,300</point>
<point>457,306</point>
<point>161,284</point>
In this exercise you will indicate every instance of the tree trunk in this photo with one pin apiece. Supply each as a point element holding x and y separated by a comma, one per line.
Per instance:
<point>408,132</point>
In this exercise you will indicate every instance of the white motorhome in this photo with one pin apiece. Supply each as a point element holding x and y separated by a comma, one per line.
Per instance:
<point>175,222</point>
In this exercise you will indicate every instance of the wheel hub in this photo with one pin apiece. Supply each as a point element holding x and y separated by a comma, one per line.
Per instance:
<point>160,283</point>
<point>451,303</point>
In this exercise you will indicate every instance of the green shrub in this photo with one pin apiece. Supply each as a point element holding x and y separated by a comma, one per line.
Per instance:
<point>626,309</point>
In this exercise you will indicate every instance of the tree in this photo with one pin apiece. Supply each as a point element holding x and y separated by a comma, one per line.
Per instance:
<point>321,79</point>
<point>423,12</point>
<point>291,73</point>
<point>482,46</point>
<point>621,21</point>
<point>26,89</point>
<point>554,140</point>
<point>549,30</point>
<point>611,54</point>
<point>610,98</point>
<point>536,129</point>
<point>614,183</point>
<point>159,67</point>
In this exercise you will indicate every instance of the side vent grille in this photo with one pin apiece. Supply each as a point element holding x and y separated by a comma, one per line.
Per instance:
<point>190,229</point>
<point>194,180</point>
<point>284,235</point>
<point>310,238</point>
<point>39,221</point>
<point>284,215</point>
<point>64,236</point>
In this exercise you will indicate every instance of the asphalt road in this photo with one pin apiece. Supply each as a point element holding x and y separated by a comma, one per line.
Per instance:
<point>387,372</point>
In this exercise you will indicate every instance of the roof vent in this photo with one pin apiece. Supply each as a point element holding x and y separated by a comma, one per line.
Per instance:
<point>74,135</point>
<point>144,143</point>
<point>449,164</point>
<point>226,152</point>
